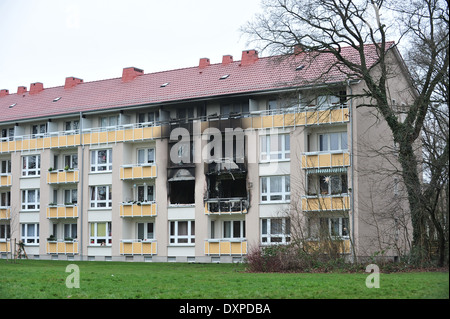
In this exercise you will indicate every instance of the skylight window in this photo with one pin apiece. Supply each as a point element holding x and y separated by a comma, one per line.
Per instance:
<point>223,77</point>
<point>56,99</point>
<point>300,67</point>
<point>165,84</point>
<point>12,105</point>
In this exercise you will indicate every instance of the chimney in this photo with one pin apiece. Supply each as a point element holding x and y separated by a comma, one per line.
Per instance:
<point>249,57</point>
<point>36,87</point>
<point>298,49</point>
<point>21,89</point>
<point>71,82</point>
<point>129,74</point>
<point>227,59</point>
<point>4,92</point>
<point>204,62</point>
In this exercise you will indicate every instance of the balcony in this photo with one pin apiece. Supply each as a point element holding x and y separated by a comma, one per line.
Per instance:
<point>5,180</point>
<point>62,211</point>
<point>121,133</point>
<point>138,209</point>
<point>5,247</point>
<point>341,246</point>
<point>326,203</point>
<point>226,247</point>
<point>312,160</point>
<point>5,212</point>
<point>63,177</point>
<point>62,247</point>
<point>137,171</point>
<point>226,206</point>
<point>138,247</point>
<point>40,141</point>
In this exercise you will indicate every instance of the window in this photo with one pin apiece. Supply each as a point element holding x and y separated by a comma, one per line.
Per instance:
<point>30,199</point>
<point>275,188</point>
<point>30,233</point>
<point>5,199</point>
<point>70,196</point>
<point>71,161</point>
<point>100,234</point>
<point>5,167</point>
<point>101,161</point>
<point>275,230</point>
<point>150,117</point>
<point>31,165</point>
<point>234,229</point>
<point>145,193</point>
<point>8,132</point>
<point>275,147</point>
<point>182,232</point>
<point>333,184</point>
<point>335,227</point>
<point>109,121</point>
<point>5,232</point>
<point>70,231</point>
<point>101,196</point>
<point>333,142</point>
<point>234,108</point>
<point>39,129</point>
<point>146,156</point>
<point>145,231</point>
<point>72,125</point>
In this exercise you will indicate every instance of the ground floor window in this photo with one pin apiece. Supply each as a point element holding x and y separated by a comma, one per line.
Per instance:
<point>70,231</point>
<point>30,233</point>
<point>182,232</point>
<point>275,230</point>
<point>5,232</point>
<point>234,229</point>
<point>337,227</point>
<point>100,234</point>
<point>145,231</point>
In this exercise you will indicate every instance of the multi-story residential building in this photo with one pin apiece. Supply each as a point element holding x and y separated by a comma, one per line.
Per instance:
<point>195,164</point>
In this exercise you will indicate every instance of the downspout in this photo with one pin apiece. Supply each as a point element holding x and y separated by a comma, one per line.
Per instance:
<point>352,199</point>
<point>82,185</point>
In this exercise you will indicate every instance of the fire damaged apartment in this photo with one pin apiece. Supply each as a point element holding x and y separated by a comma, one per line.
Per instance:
<point>200,164</point>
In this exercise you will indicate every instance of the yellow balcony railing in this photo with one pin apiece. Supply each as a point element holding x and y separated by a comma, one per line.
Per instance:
<point>63,177</point>
<point>5,212</point>
<point>341,246</point>
<point>138,247</point>
<point>138,171</point>
<point>5,247</point>
<point>322,160</point>
<point>5,180</point>
<point>121,133</point>
<point>325,203</point>
<point>58,247</point>
<point>62,211</point>
<point>143,209</point>
<point>225,247</point>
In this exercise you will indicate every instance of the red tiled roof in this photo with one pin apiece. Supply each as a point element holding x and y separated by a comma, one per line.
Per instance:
<point>265,74</point>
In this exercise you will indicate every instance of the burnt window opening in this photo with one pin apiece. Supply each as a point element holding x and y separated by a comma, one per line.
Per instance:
<point>227,193</point>
<point>182,192</point>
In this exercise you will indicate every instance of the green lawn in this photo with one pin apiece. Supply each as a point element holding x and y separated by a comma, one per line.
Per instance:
<point>109,280</point>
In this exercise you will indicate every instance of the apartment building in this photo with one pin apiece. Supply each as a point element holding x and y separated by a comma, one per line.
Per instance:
<point>196,164</point>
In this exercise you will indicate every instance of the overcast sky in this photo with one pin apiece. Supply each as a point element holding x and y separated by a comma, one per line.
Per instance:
<point>49,40</point>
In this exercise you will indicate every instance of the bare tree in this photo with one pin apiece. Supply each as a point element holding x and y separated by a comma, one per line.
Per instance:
<point>325,26</point>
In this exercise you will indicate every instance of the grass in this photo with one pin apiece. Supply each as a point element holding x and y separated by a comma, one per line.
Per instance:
<point>40,279</point>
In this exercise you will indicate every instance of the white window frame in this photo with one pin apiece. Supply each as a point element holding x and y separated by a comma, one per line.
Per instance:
<point>283,144</point>
<point>327,147</point>
<point>70,195</point>
<point>28,239</point>
<point>5,199</point>
<point>269,238</point>
<point>145,158</point>
<point>267,193</point>
<point>5,232</point>
<point>70,230</point>
<point>146,195</point>
<point>5,168</point>
<point>71,161</point>
<point>331,221</point>
<point>101,167</point>
<point>231,225</point>
<point>31,205</point>
<point>182,240</point>
<point>146,235</point>
<point>95,239</point>
<point>95,202</point>
<point>34,172</point>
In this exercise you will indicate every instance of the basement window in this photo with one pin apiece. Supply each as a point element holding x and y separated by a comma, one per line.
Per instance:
<point>223,77</point>
<point>56,99</point>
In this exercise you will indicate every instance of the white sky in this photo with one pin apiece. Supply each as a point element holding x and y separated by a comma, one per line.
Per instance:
<point>49,40</point>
